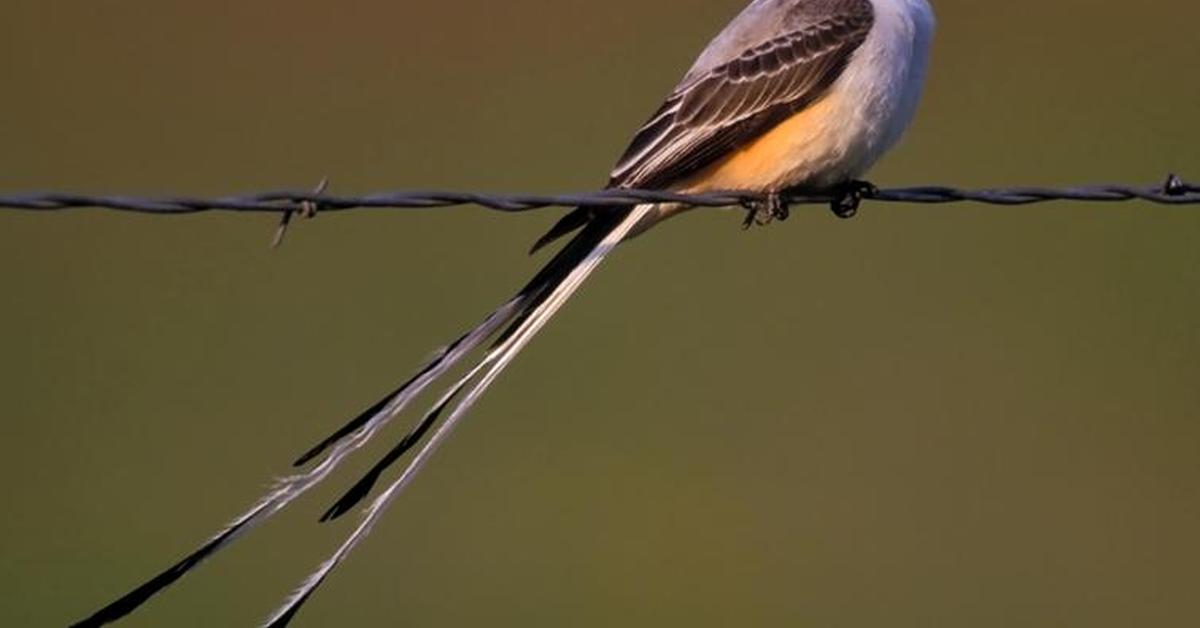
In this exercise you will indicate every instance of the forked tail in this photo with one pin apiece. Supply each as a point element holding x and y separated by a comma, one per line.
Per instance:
<point>475,383</point>
<point>525,314</point>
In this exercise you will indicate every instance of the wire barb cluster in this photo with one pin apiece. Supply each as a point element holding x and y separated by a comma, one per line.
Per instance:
<point>1174,191</point>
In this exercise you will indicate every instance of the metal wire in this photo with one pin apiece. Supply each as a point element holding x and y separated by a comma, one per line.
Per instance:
<point>1174,191</point>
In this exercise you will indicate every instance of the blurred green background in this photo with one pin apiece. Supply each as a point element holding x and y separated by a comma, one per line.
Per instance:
<point>927,416</point>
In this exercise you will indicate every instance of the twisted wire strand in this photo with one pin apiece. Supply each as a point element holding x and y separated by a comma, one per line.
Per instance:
<point>1174,192</point>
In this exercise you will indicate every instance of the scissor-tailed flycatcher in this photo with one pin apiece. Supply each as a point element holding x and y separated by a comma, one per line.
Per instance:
<point>792,94</point>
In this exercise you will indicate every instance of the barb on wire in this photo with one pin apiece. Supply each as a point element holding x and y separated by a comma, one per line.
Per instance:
<point>1174,191</point>
<point>308,209</point>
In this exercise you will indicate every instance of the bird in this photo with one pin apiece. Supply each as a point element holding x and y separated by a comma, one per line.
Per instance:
<point>790,95</point>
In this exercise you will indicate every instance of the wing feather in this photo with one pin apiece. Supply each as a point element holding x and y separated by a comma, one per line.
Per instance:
<point>709,115</point>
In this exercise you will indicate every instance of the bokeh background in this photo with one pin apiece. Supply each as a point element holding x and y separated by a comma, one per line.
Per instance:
<point>927,416</point>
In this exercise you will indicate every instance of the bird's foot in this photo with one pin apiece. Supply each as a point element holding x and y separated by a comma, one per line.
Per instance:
<point>848,196</point>
<point>763,212</point>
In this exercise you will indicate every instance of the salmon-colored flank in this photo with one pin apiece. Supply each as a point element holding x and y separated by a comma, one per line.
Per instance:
<point>783,157</point>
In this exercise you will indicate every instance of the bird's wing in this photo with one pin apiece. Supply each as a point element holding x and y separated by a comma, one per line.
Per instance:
<point>714,111</point>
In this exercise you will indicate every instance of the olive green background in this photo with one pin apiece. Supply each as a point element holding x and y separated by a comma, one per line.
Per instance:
<point>928,416</point>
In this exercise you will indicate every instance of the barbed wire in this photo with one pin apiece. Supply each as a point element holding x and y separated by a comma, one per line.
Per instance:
<point>1175,191</point>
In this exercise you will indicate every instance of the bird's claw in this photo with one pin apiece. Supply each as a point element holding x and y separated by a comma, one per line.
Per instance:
<point>848,197</point>
<point>763,212</point>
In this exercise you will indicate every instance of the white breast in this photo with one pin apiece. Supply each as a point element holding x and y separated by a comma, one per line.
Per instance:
<point>882,84</point>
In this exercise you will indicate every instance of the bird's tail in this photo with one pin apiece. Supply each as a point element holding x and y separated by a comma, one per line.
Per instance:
<point>525,314</point>
<point>594,243</point>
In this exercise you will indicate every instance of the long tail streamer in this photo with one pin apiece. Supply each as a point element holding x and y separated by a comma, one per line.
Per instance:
<point>494,363</point>
<point>525,314</point>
